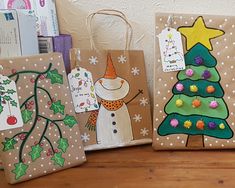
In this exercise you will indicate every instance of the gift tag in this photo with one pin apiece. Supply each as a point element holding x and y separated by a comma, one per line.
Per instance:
<point>83,90</point>
<point>10,114</point>
<point>171,50</point>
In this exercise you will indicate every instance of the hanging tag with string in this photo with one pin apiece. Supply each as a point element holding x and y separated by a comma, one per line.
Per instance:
<point>82,89</point>
<point>171,48</point>
<point>10,113</point>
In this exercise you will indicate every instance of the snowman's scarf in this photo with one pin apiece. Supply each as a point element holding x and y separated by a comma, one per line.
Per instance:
<point>109,105</point>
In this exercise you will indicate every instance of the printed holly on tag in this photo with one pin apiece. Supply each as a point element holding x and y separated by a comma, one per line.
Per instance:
<point>83,90</point>
<point>10,114</point>
<point>171,50</point>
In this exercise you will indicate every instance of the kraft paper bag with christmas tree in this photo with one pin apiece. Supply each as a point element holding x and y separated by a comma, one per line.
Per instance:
<point>194,107</point>
<point>49,139</point>
<point>119,113</point>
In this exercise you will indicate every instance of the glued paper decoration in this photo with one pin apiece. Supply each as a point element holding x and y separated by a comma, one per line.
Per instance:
<point>10,114</point>
<point>171,50</point>
<point>83,90</point>
<point>123,117</point>
<point>50,140</point>
<point>194,108</point>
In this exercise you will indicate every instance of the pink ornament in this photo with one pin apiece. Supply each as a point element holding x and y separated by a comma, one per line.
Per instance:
<point>179,87</point>
<point>174,122</point>
<point>213,104</point>
<point>189,72</point>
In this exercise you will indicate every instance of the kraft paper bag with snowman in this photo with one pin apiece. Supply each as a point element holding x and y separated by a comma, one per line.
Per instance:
<point>115,110</point>
<point>194,103</point>
<point>122,116</point>
<point>39,132</point>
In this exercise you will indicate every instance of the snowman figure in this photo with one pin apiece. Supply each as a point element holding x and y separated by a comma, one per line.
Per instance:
<point>113,124</point>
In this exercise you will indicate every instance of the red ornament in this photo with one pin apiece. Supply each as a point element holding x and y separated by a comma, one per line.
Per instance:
<point>53,99</point>
<point>49,103</point>
<point>56,151</point>
<point>11,120</point>
<point>51,124</point>
<point>31,102</point>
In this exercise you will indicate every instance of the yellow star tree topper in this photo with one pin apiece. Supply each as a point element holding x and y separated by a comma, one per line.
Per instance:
<point>199,33</point>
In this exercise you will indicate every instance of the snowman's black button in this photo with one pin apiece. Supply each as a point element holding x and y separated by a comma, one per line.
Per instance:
<point>115,131</point>
<point>112,114</point>
<point>114,123</point>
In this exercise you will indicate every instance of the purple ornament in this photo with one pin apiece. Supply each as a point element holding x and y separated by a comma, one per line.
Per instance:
<point>206,74</point>
<point>198,60</point>
<point>211,125</point>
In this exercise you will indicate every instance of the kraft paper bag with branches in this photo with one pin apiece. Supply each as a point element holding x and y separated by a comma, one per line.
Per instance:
<point>49,140</point>
<point>194,108</point>
<point>123,116</point>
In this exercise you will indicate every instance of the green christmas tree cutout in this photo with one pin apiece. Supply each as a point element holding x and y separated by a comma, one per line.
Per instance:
<point>197,107</point>
<point>31,113</point>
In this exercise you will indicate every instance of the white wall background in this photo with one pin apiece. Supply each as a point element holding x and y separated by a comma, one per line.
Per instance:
<point>110,31</point>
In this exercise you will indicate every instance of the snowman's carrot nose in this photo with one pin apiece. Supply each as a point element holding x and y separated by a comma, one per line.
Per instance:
<point>122,81</point>
<point>100,81</point>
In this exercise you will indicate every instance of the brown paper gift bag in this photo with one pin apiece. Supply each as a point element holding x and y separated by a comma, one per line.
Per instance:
<point>49,140</point>
<point>123,117</point>
<point>194,108</point>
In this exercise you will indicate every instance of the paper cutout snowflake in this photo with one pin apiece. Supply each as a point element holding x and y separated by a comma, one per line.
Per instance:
<point>135,71</point>
<point>143,101</point>
<point>122,59</point>
<point>93,60</point>
<point>137,118</point>
<point>144,132</point>
<point>85,137</point>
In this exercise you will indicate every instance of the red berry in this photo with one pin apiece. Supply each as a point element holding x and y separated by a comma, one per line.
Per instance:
<point>23,160</point>
<point>56,151</point>
<point>35,143</point>
<point>39,119</point>
<point>13,71</point>
<point>32,80</point>
<point>11,120</point>
<point>48,154</point>
<point>41,144</point>
<point>51,124</point>
<point>53,99</point>
<point>49,103</point>
<point>31,102</point>
<point>3,102</point>
<point>28,106</point>
<point>42,77</point>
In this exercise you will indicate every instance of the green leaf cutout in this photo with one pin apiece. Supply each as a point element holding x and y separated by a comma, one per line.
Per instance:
<point>6,82</point>
<point>11,91</point>
<point>70,121</point>
<point>26,115</point>
<point>57,107</point>
<point>9,144</point>
<point>20,170</point>
<point>63,144</point>
<point>35,153</point>
<point>7,98</point>
<point>13,103</point>
<point>58,159</point>
<point>2,88</point>
<point>55,77</point>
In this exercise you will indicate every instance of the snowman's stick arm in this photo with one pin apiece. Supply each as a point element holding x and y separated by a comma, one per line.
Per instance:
<point>140,92</point>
